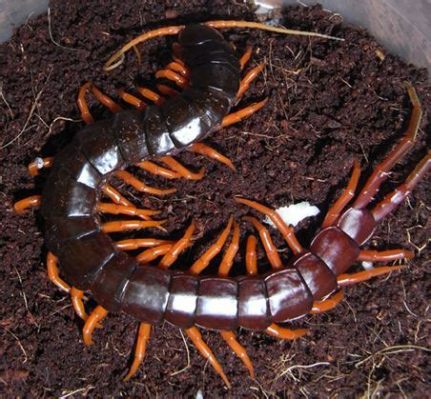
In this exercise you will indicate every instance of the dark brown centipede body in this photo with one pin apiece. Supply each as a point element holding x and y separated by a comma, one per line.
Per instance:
<point>90,260</point>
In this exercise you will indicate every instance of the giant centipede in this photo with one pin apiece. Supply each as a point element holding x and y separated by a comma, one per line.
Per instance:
<point>208,70</point>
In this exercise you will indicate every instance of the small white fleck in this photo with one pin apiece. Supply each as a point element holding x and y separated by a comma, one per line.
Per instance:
<point>39,162</point>
<point>367,265</point>
<point>199,395</point>
<point>294,213</point>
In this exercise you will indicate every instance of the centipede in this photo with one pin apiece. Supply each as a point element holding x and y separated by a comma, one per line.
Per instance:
<point>84,260</point>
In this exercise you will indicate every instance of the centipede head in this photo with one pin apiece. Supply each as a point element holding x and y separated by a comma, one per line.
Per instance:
<point>198,34</point>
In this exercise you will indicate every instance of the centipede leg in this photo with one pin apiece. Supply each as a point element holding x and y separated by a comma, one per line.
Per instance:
<point>149,255</point>
<point>251,257</point>
<point>172,255</point>
<point>132,100</point>
<point>166,90</point>
<point>137,243</point>
<point>245,58</point>
<point>345,197</point>
<point>182,170</point>
<point>265,237</point>
<point>158,170</point>
<point>115,196</point>
<point>141,186</point>
<point>77,303</point>
<point>201,263</point>
<point>103,98</point>
<point>116,209</point>
<point>385,256</point>
<point>93,321</point>
<point>128,225</point>
<point>353,278</point>
<point>239,350</point>
<point>38,164</point>
<point>142,339</point>
<point>232,250</point>
<point>179,80</point>
<point>150,95</point>
<point>392,200</point>
<point>380,173</point>
<point>327,304</point>
<point>279,332</point>
<point>179,68</point>
<point>203,149</point>
<point>248,78</point>
<point>53,273</point>
<point>196,337</point>
<point>30,202</point>
<point>243,113</point>
<point>286,231</point>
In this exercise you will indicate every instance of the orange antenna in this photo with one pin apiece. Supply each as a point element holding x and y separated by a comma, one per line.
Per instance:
<point>117,59</point>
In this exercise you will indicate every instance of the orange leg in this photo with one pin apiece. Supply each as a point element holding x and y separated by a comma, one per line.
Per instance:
<point>327,304</point>
<point>286,231</point>
<point>53,274</point>
<point>150,95</point>
<point>203,149</point>
<point>141,346</point>
<point>149,255</point>
<point>239,350</point>
<point>180,68</point>
<point>132,100</point>
<point>284,333</point>
<point>179,80</point>
<point>231,251</point>
<point>141,186</point>
<point>212,251</point>
<point>93,321</point>
<point>243,113</point>
<point>181,170</point>
<point>30,202</point>
<point>380,174</point>
<point>166,90</point>
<point>77,303</point>
<point>345,198</point>
<point>349,279</point>
<point>248,78</point>
<point>127,225</point>
<point>196,337</point>
<point>385,256</point>
<point>136,243</point>
<point>178,247</point>
<point>155,169</point>
<point>265,237</point>
<point>391,201</point>
<point>251,257</point>
<point>115,196</point>
<point>38,164</point>
<point>103,98</point>
<point>245,58</point>
<point>115,209</point>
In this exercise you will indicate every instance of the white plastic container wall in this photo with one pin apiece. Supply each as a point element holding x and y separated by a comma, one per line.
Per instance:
<point>402,26</point>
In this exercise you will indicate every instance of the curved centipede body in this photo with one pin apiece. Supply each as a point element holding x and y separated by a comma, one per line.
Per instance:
<point>89,259</point>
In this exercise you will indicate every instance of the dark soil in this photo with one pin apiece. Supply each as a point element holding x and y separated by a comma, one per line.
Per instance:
<point>329,102</point>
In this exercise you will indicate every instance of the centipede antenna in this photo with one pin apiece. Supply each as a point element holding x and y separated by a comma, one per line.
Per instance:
<point>226,24</point>
<point>117,59</point>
